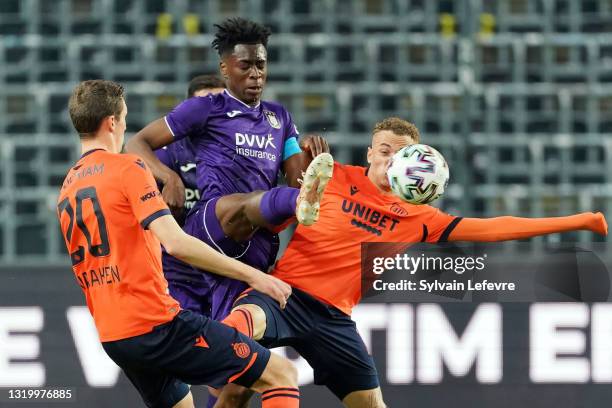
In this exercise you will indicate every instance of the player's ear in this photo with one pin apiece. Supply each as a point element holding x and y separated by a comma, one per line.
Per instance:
<point>109,124</point>
<point>369,156</point>
<point>223,69</point>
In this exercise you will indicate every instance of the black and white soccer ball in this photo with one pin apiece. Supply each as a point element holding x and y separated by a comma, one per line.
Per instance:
<point>418,174</point>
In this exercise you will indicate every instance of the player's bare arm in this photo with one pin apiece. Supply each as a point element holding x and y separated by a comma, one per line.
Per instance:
<point>511,228</point>
<point>195,252</point>
<point>155,135</point>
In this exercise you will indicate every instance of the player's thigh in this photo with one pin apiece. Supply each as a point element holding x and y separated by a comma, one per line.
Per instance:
<point>156,388</point>
<point>278,326</point>
<point>239,214</point>
<point>338,356</point>
<point>365,399</point>
<point>216,354</point>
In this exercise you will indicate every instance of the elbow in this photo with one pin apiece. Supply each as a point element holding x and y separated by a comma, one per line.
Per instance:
<point>176,245</point>
<point>132,145</point>
<point>174,250</point>
<point>170,249</point>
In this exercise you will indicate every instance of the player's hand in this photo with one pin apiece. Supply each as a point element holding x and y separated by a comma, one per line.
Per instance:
<point>173,194</point>
<point>597,223</point>
<point>271,286</point>
<point>314,144</point>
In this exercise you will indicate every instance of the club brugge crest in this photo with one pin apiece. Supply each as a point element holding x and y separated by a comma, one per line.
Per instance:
<point>272,119</point>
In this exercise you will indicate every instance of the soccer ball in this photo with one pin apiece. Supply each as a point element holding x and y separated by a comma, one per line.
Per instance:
<point>418,174</point>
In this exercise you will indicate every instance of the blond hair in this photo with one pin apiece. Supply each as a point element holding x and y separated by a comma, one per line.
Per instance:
<point>398,126</point>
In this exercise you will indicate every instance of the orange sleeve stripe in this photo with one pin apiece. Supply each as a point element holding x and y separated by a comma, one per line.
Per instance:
<point>238,375</point>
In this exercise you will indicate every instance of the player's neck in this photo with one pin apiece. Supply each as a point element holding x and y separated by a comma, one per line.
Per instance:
<point>231,95</point>
<point>380,190</point>
<point>100,142</point>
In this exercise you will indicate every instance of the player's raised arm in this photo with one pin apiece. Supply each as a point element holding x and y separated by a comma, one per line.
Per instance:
<point>195,252</point>
<point>187,118</point>
<point>155,135</point>
<point>510,228</point>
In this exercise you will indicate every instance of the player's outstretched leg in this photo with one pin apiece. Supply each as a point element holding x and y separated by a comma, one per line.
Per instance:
<point>239,215</point>
<point>365,399</point>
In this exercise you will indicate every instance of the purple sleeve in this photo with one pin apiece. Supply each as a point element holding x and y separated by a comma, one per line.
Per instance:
<point>189,116</point>
<point>290,129</point>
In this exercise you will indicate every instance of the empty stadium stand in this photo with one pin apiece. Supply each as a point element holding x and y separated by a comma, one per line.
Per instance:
<point>517,94</point>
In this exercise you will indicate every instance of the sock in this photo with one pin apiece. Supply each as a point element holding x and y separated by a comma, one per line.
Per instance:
<point>241,320</point>
<point>278,204</point>
<point>280,398</point>
<point>212,400</point>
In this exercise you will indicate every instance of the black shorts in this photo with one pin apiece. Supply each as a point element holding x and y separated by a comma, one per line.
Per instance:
<point>326,337</point>
<point>190,349</point>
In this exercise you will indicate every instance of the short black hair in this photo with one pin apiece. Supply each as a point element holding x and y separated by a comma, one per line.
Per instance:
<point>237,30</point>
<point>204,82</point>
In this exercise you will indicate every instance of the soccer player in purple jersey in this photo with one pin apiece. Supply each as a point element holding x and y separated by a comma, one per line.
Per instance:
<point>185,283</point>
<point>241,144</point>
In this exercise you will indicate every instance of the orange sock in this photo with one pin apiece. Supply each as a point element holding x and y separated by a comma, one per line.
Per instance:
<point>507,228</point>
<point>241,320</point>
<point>281,398</point>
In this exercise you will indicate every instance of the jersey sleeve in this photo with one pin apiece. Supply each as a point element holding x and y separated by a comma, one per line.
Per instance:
<point>291,134</point>
<point>140,188</point>
<point>437,225</point>
<point>189,116</point>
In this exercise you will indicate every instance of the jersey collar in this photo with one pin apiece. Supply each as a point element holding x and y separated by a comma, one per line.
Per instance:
<point>247,105</point>
<point>87,153</point>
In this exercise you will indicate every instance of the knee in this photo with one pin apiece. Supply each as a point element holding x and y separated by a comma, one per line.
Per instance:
<point>238,227</point>
<point>248,319</point>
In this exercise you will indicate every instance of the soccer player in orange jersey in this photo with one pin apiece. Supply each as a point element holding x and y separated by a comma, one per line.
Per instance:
<point>322,264</point>
<point>113,219</point>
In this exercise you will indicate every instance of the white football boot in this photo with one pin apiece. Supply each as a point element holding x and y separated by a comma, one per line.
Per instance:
<point>314,181</point>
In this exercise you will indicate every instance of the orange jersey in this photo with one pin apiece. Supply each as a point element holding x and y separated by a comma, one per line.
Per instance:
<point>104,207</point>
<point>324,260</point>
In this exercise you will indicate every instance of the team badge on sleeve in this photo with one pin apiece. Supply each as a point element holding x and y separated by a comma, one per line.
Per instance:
<point>242,350</point>
<point>272,119</point>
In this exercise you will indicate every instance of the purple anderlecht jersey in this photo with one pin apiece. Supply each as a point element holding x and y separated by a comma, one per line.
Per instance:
<point>239,149</point>
<point>180,158</point>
